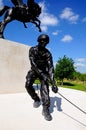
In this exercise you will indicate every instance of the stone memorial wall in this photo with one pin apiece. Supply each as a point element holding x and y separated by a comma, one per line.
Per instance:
<point>14,65</point>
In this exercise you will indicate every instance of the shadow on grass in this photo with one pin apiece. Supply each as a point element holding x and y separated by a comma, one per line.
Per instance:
<point>66,84</point>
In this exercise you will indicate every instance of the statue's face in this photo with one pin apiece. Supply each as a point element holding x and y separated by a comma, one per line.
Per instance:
<point>42,44</point>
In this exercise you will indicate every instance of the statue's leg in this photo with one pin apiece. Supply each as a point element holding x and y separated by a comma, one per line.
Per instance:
<point>18,3</point>
<point>45,100</point>
<point>3,9</point>
<point>24,25</point>
<point>37,23</point>
<point>2,29</point>
<point>6,20</point>
<point>30,78</point>
<point>45,93</point>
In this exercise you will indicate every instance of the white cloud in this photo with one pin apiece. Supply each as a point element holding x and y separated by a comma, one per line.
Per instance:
<point>80,65</point>
<point>1,3</point>
<point>67,38</point>
<point>55,32</point>
<point>81,60</point>
<point>69,15</point>
<point>84,19</point>
<point>44,28</point>
<point>46,18</point>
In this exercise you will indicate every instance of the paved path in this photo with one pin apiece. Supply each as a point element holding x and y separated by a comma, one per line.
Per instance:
<point>17,112</point>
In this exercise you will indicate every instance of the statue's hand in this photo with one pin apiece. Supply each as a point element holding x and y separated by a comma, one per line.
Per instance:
<point>55,89</point>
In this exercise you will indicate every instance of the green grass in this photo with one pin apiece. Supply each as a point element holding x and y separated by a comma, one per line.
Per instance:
<point>74,85</point>
<point>70,84</point>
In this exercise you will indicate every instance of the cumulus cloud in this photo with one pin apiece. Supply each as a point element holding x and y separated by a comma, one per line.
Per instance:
<point>81,60</point>
<point>46,18</point>
<point>1,3</point>
<point>44,28</point>
<point>56,32</point>
<point>67,38</point>
<point>80,64</point>
<point>69,15</point>
<point>84,19</point>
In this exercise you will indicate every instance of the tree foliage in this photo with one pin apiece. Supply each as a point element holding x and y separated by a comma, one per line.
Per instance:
<point>64,68</point>
<point>79,76</point>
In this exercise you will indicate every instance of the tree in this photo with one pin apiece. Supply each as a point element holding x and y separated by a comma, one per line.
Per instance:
<point>83,77</point>
<point>77,75</point>
<point>64,68</point>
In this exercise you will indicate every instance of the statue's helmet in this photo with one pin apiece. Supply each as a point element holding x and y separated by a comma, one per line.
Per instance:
<point>43,38</point>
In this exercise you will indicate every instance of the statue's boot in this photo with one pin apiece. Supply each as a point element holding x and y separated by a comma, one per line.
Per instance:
<point>1,35</point>
<point>36,104</point>
<point>46,113</point>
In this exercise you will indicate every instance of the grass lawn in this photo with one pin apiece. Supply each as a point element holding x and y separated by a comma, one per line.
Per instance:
<point>70,84</point>
<point>74,85</point>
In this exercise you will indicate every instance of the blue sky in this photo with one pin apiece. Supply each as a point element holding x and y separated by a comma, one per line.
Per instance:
<point>64,21</point>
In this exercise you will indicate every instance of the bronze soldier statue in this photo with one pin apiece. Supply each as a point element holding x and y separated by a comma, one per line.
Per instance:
<point>42,68</point>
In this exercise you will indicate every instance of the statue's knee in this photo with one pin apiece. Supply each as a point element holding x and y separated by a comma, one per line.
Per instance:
<point>29,83</point>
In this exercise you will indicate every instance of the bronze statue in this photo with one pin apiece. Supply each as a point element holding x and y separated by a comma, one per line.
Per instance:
<point>42,68</point>
<point>21,12</point>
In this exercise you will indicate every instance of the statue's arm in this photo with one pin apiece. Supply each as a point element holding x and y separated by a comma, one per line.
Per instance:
<point>33,61</point>
<point>51,74</point>
<point>51,69</point>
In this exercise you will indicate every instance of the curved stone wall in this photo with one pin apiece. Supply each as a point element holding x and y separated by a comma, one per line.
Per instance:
<point>14,65</point>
